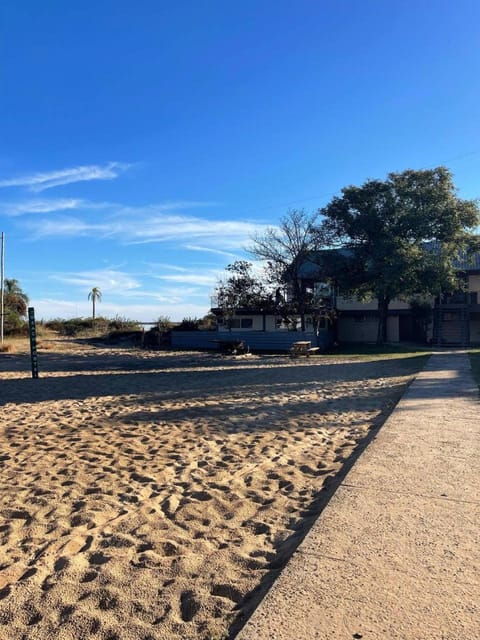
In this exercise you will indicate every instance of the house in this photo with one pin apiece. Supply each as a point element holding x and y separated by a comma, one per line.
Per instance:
<point>454,318</point>
<point>278,328</point>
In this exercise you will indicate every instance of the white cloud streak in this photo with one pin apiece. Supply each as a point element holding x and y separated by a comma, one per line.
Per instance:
<point>230,235</point>
<point>105,279</point>
<point>41,181</point>
<point>218,252</point>
<point>199,279</point>
<point>65,227</point>
<point>39,206</point>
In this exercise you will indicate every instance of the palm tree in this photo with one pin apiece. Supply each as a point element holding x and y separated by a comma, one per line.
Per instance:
<point>94,295</point>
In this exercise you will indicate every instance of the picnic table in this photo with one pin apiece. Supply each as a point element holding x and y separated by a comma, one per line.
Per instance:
<point>302,348</point>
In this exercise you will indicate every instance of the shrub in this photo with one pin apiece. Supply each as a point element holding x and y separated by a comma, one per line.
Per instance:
<point>208,322</point>
<point>77,326</point>
<point>14,325</point>
<point>120,323</point>
<point>188,324</point>
<point>164,323</point>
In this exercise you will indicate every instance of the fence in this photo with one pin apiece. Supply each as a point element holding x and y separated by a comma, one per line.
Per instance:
<point>256,340</point>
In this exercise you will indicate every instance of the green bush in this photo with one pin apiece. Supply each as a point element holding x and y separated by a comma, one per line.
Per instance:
<point>208,322</point>
<point>164,323</point>
<point>14,325</point>
<point>77,326</point>
<point>120,323</point>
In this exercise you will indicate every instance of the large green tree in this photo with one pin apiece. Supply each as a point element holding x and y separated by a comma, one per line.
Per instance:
<point>399,237</point>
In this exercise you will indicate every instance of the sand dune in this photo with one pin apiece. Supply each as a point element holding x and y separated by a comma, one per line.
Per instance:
<point>153,495</point>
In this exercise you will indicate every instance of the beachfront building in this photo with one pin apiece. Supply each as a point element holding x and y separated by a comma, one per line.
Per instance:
<point>274,329</point>
<point>456,316</point>
<point>453,318</point>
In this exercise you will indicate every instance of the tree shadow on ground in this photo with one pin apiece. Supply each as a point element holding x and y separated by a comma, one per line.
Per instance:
<point>185,377</point>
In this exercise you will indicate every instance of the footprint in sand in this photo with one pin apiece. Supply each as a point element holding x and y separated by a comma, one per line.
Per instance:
<point>98,558</point>
<point>89,576</point>
<point>189,606</point>
<point>227,591</point>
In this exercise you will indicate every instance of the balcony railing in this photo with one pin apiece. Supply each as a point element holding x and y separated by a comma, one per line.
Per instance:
<point>459,298</point>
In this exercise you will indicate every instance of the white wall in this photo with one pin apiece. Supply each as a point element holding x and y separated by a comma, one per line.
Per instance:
<point>346,304</point>
<point>270,323</point>
<point>474,283</point>
<point>257,325</point>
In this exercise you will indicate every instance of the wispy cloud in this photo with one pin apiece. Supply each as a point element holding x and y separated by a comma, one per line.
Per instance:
<point>155,266</point>
<point>65,227</point>
<point>193,247</point>
<point>105,279</point>
<point>152,226</point>
<point>229,234</point>
<point>174,205</point>
<point>40,181</point>
<point>39,206</point>
<point>199,279</point>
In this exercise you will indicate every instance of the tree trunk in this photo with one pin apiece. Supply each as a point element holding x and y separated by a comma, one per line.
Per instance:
<point>299,302</point>
<point>93,309</point>
<point>383,304</point>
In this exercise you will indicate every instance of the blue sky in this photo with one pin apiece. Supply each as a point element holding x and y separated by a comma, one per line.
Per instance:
<point>142,144</point>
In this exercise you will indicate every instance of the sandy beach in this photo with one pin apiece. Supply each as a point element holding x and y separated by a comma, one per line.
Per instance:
<point>155,495</point>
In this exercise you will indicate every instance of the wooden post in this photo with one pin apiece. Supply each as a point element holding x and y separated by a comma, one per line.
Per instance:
<point>33,341</point>
<point>2,286</point>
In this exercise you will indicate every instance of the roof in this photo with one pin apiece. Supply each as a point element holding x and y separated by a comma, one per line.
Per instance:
<point>468,263</point>
<point>311,268</point>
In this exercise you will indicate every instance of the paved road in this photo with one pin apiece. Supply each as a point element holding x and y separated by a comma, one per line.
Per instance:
<point>396,553</point>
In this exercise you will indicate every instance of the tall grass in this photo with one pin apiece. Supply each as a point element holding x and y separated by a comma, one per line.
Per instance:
<point>86,327</point>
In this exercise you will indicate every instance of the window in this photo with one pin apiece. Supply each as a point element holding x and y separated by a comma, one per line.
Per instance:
<point>321,289</point>
<point>241,323</point>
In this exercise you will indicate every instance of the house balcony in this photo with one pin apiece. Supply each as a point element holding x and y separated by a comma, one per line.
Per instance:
<point>457,300</point>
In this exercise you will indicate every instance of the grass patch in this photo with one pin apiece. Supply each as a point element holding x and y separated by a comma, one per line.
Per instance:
<point>6,347</point>
<point>386,351</point>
